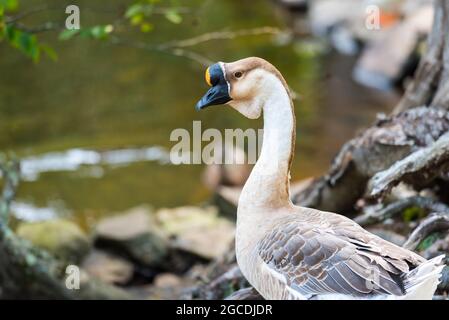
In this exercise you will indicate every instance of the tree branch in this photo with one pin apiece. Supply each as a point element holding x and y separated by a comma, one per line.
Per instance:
<point>202,60</point>
<point>178,47</point>
<point>48,26</point>
<point>219,35</point>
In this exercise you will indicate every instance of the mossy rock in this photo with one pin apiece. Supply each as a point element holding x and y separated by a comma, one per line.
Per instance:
<point>200,231</point>
<point>61,238</point>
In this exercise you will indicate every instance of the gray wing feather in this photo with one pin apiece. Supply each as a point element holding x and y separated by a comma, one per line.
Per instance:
<point>341,259</point>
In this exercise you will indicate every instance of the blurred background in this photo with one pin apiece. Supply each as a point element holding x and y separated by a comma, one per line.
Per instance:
<point>92,128</point>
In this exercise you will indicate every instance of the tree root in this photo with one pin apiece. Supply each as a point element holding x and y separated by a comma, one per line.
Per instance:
<point>376,149</point>
<point>389,211</point>
<point>433,223</point>
<point>417,169</point>
<point>222,286</point>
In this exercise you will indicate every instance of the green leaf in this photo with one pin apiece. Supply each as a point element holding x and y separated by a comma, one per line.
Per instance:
<point>134,10</point>
<point>96,32</point>
<point>100,32</point>
<point>9,32</point>
<point>173,16</point>
<point>24,41</point>
<point>27,43</point>
<point>413,213</point>
<point>9,5</point>
<point>137,19</point>
<point>49,51</point>
<point>68,34</point>
<point>146,27</point>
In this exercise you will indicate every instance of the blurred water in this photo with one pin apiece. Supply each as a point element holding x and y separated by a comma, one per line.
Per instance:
<point>93,128</point>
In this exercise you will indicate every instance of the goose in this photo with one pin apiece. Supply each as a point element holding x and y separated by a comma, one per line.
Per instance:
<point>298,253</point>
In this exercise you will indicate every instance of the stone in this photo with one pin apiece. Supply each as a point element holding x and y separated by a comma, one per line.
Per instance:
<point>61,238</point>
<point>108,268</point>
<point>197,230</point>
<point>165,280</point>
<point>134,235</point>
<point>166,286</point>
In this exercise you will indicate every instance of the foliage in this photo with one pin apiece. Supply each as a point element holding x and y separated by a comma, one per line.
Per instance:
<point>99,32</point>
<point>413,213</point>
<point>26,42</point>
<point>138,14</point>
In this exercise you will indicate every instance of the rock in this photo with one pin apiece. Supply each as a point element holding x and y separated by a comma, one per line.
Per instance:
<point>92,288</point>
<point>170,286</point>
<point>61,238</point>
<point>165,280</point>
<point>197,230</point>
<point>108,268</point>
<point>133,235</point>
<point>166,286</point>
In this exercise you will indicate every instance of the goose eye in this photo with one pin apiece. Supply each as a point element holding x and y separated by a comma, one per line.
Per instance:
<point>238,74</point>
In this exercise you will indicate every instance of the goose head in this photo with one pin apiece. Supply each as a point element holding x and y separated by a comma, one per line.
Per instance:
<point>244,85</point>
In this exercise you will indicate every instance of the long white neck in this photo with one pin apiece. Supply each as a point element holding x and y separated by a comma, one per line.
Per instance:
<point>269,182</point>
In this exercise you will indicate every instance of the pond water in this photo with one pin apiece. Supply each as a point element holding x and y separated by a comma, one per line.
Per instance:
<point>93,128</point>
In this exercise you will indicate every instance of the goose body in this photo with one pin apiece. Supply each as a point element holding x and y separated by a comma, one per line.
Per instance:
<point>291,252</point>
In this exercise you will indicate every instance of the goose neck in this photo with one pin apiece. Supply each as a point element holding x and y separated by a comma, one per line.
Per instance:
<point>269,182</point>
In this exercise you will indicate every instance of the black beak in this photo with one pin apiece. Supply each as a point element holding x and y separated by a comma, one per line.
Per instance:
<point>219,93</point>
